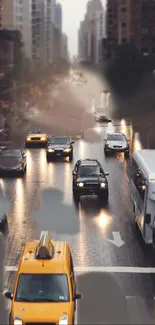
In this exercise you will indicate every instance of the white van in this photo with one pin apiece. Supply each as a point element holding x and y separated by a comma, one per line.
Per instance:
<point>142,185</point>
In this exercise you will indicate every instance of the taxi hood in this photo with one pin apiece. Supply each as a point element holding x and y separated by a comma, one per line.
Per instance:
<point>40,312</point>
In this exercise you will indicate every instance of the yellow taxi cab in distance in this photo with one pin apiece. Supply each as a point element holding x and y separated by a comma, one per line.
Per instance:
<point>36,137</point>
<point>45,287</point>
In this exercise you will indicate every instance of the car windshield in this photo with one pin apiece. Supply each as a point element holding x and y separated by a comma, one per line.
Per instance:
<point>116,137</point>
<point>89,171</point>
<point>59,140</point>
<point>42,288</point>
<point>11,153</point>
<point>36,132</point>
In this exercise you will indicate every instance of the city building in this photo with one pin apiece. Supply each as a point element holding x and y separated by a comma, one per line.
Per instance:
<point>112,26</point>
<point>57,43</point>
<point>130,21</point>
<point>16,14</point>
<point>10,61</point>
<point>58,16</point>
<point>64,49</point>
<point>91,32</point>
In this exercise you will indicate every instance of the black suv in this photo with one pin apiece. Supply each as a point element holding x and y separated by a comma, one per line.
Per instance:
<point>59,147</point>
<point>89,178</point>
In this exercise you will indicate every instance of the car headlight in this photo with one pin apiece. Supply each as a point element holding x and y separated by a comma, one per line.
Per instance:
<point>18,321</point>
<point>50,150</point>
<point>43,138</point>
<point>28,138</point>
<point>67,150</point>
<point>19,166</point>
<point>103,184</point>
<point>80,184</point>
<point>108,145</point>
<point>63,320</point>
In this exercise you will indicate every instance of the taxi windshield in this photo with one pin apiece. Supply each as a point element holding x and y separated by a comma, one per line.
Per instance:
<point>42,288</point>
<point>57,140</point>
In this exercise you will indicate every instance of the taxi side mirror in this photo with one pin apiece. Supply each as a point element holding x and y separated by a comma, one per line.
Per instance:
<point>77,296</point>
<point>148,218</point>
<point>9,295</point>
<point>72,142</point>
<point>106,174</point>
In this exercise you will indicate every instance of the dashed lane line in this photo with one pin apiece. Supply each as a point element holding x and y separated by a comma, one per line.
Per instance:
<point>104,269</point>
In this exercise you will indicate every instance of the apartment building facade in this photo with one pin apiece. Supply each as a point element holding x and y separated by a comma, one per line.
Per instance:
<point>16,14</point>
<point>130,21</point>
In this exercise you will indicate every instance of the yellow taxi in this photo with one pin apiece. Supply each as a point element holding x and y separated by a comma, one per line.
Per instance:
<point>36,137</point>
<point>45,287</point>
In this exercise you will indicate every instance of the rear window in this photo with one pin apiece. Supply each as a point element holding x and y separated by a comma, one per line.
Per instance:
<point>36,132</point>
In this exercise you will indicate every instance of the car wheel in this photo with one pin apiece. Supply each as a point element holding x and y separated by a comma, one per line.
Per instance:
<point>22,173</point>
<point>76,197</point>
<point>48,158</point>
<point>104,198</point>
<point>106,152</point>
<point>71,156</point>
<point>127,154</point>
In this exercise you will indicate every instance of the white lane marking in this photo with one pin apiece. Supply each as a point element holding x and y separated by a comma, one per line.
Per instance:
<point>127,178</point>
<point>43,233</point>
<point>104,269</point>
<point>117,241</point>
<point>130,297</point>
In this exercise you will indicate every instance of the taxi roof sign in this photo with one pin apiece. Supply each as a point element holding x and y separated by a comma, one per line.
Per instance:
<point>45,249</point>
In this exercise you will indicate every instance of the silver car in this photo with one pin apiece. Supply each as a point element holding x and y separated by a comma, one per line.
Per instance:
<point>116,142</point>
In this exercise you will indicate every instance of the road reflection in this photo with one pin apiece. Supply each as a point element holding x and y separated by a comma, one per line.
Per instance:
<point>137,145</point>
<point>103,220</point>
<point>67,184</point>
<point>82,242</point>
<point>19,203</point>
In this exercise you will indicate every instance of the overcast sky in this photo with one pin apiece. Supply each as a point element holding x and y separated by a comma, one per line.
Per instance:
<point>73,13</point>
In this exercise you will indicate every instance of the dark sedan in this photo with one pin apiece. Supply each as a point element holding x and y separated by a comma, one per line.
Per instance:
<point>13,161</point>
<point>3,222</point>
<point>58,147</point>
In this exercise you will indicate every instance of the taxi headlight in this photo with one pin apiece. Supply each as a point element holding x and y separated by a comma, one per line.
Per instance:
<point>50,149</point>
<point>103,184</point>
<point>18,321</point>
<point>43,138</point>
<point>28,138</point>
<point>63,320</point>
<point>80,184</point>
<point>67,150</point>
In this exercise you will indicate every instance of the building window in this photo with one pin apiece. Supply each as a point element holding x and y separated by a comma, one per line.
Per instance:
<point>144,30</point>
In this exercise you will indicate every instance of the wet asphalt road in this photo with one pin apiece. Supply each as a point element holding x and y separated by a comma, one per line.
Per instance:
<point>43,201</point>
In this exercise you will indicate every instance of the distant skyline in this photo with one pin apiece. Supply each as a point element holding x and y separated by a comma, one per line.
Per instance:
<point>73,13</point>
